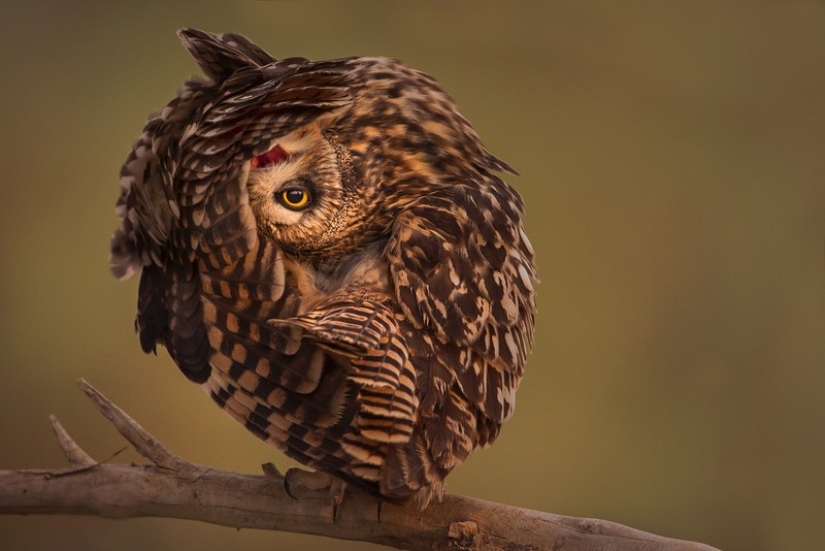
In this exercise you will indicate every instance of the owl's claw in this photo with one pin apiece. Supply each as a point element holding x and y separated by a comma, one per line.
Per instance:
<point>336,491</point>
<point>316,480</point>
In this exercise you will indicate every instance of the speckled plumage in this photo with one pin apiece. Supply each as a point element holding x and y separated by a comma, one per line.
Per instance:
<point>377,332</point>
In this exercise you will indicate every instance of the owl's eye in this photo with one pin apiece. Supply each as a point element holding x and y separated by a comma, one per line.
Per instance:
<point>294,198</point>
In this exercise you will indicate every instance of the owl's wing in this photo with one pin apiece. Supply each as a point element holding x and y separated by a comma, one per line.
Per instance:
<point>463,272</point>
<point>183,205</point>
<point>367,333</point>
<point>358,386</point>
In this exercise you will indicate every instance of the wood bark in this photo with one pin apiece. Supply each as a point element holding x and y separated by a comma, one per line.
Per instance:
<point>172,487</point>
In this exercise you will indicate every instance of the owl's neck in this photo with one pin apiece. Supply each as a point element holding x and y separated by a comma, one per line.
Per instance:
<point>366,265</point>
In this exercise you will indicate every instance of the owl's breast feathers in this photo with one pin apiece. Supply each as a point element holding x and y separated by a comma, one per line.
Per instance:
<point>387,380</point>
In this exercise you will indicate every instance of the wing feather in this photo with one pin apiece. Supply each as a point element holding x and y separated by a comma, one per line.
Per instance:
<point>463,270</point>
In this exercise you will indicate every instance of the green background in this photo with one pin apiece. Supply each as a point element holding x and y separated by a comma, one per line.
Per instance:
<point>672,159</point>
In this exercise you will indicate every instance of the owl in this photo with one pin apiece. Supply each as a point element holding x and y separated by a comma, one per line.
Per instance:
<point>327,248</point>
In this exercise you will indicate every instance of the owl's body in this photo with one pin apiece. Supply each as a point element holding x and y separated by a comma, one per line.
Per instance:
<point>326,248</point>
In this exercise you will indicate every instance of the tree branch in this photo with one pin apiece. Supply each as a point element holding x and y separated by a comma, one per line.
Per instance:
<point>175,488</point>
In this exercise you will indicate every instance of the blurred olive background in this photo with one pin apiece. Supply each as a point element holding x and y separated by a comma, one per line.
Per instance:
<point>672,165</point>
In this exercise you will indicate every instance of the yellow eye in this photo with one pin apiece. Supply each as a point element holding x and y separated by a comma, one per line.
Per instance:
<point>294,198</point>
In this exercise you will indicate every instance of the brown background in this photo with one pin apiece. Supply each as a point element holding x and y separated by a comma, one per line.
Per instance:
<point>672,164</point>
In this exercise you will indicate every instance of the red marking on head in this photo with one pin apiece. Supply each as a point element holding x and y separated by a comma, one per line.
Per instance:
<point>271,157</point>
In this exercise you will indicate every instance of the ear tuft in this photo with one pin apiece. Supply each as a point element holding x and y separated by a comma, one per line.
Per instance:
<point>220,55</point>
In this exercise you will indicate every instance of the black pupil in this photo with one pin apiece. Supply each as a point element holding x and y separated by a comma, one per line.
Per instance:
<point>295,196</point>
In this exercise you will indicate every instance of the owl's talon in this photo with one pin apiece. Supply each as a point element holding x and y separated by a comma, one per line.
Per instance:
<point>336,490</point>
<point>288,481</point>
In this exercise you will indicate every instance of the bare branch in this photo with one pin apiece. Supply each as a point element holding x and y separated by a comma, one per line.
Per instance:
<point>175,488</point>
<point>146,445</point>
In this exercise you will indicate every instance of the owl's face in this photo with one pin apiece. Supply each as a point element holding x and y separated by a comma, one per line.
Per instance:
<point>302,196</point>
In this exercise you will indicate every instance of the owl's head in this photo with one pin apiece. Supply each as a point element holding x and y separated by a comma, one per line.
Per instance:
<point>331,150</point>
<point>305,197</point>
<point>299,193</point>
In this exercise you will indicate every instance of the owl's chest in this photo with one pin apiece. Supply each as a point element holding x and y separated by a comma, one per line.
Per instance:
<point>364,276</point>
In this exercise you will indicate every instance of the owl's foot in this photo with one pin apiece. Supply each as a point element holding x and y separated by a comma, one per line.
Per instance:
<point>311,480</point>
<point>316,480</point>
